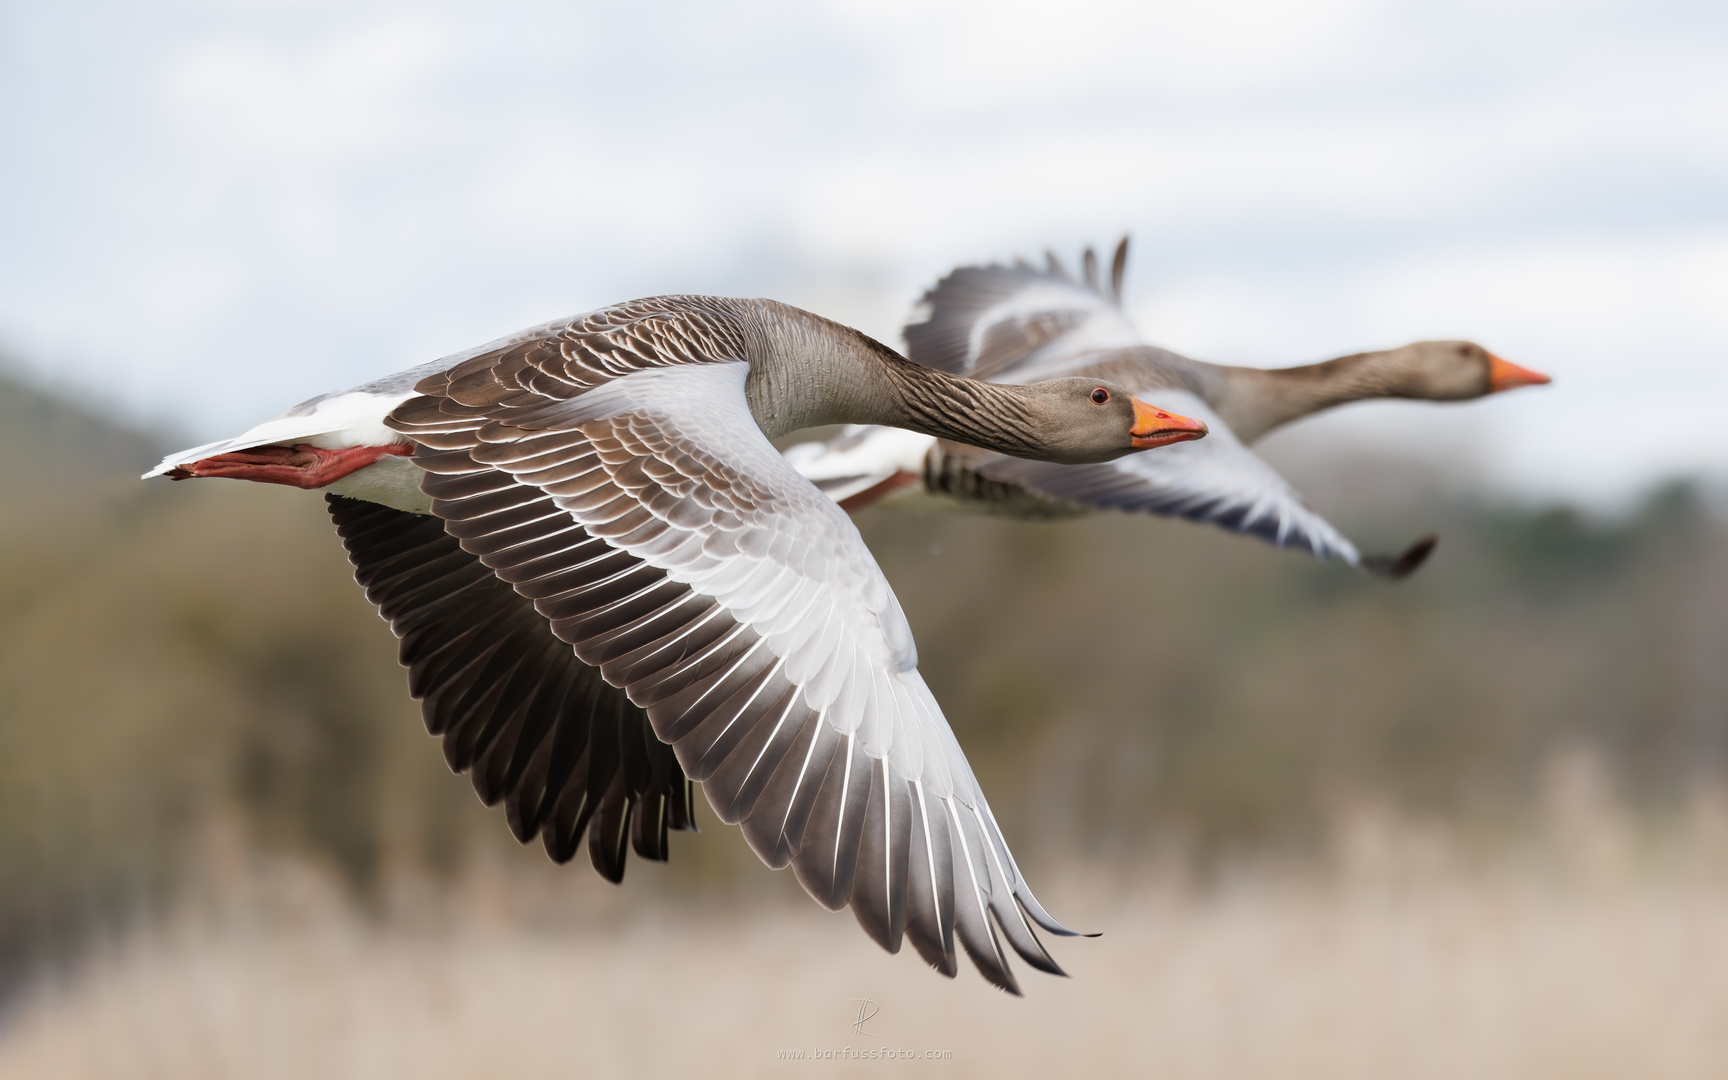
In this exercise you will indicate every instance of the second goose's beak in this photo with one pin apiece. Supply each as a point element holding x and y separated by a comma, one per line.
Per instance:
<point>1155,427</point>
<point>1505,375</point>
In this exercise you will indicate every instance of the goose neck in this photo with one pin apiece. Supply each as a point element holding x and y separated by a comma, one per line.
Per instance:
<point>1254,401</point>
<point>807,371</point>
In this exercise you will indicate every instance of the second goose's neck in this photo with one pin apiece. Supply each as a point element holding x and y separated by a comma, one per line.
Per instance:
<point>807,371</point>
<point>1253,401</point>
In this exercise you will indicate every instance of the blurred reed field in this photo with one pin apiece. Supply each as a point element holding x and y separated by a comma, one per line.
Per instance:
<point>1471,824</point>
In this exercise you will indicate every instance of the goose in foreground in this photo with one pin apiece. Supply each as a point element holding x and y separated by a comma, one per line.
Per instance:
<point>1011,324</point>
<point>608,584</point>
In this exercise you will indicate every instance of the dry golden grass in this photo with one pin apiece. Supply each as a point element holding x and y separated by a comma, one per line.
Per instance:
<point>1403,961</point>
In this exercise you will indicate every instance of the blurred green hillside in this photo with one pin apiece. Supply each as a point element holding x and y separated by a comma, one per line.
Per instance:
<point>174,657</point>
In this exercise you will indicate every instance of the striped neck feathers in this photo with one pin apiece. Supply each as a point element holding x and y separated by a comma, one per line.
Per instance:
<point>807,371</point>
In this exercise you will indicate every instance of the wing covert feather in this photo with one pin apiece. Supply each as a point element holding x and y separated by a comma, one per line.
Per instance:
<point>1215,480</point>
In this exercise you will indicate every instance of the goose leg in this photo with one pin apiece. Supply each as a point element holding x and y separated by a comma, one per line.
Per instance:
<point>854,503</point>
<point>301,466</point>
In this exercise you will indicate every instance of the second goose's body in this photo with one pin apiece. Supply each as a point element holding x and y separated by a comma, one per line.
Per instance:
<point>1011,324</point>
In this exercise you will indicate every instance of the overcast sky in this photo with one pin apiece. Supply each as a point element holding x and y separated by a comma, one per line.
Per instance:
<point>210,210</point>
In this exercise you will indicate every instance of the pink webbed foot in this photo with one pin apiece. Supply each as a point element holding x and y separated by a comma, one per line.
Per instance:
<point>878,491</point>
<point>301,466</point>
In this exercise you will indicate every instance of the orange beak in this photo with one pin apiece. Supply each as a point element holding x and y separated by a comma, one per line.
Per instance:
<point>1155,427</point>
<point>1505,375</point>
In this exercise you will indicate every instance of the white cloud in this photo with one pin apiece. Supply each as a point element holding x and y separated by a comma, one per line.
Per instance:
<point>1575,293</point>
<point>351,94</point>
<point>971,52</point>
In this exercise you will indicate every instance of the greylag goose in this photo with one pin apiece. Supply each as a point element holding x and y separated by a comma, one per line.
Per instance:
<point>608,584</point>
<point>1009,324</point>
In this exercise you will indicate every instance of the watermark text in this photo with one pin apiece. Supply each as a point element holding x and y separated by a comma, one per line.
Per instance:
<point>864,1053</point>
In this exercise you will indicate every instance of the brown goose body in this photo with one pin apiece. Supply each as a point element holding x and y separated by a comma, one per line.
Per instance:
<point>607,584</point>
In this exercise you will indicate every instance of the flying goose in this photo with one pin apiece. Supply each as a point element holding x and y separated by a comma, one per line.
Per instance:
<point>1011,324</point>
<point>608,583</point>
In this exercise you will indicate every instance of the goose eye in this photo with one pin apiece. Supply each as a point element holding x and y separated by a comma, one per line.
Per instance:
<point>1100,395</point>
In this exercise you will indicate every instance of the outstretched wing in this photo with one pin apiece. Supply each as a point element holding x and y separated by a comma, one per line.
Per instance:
<point>1215,480</point>
<point>613,475</point>
<point>1020,323</point>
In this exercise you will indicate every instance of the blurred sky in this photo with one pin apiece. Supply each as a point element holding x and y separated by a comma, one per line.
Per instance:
<point>210,210</point>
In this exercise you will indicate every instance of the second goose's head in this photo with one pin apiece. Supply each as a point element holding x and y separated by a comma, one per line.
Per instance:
<point>1080,421</point>
<point>1456,371</point>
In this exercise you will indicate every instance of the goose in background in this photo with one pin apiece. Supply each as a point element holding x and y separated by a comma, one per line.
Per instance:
<point>608,584</point>
<point>1010,324</point>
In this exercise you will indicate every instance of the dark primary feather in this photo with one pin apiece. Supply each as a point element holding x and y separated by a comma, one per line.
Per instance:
<point>1407,562</point>
<point>1118,270</point>
<point>539,729</point>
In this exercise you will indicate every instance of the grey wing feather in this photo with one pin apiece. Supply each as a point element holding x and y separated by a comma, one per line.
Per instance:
<point>1019,323</point>
<point>613,476</point>
<point>1215,480</point>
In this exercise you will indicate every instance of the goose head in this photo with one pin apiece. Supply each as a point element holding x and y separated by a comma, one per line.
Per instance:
<point>1457,371</point>
<point>1081,421</point>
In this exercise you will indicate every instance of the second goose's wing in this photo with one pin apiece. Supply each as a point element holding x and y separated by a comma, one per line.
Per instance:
<point>1020,323</point>
<point>619,482</point>
<point>862,463</point>
<point>1215,480</point>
